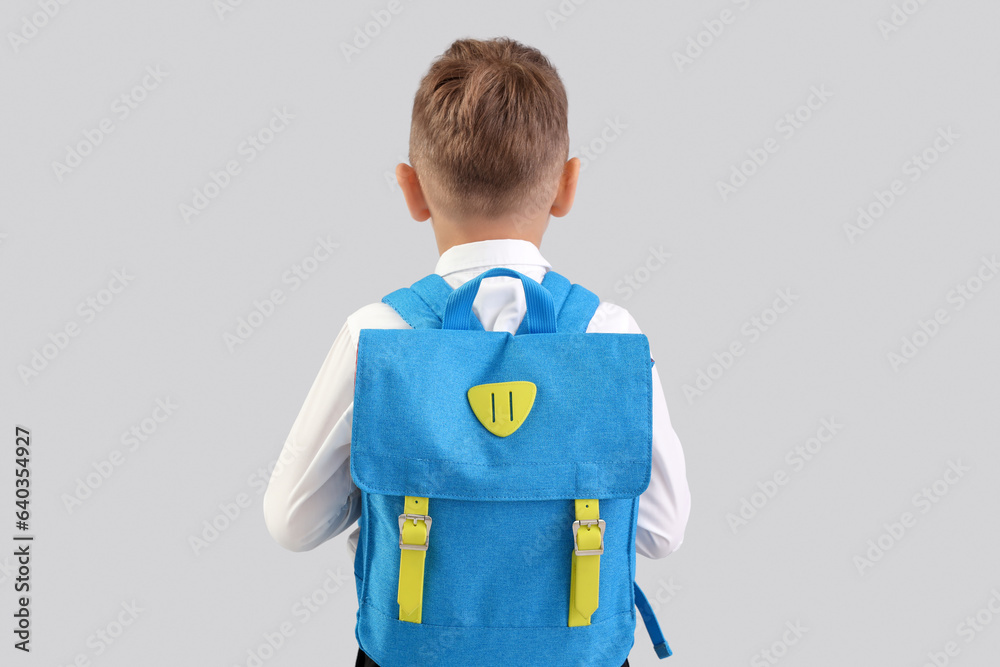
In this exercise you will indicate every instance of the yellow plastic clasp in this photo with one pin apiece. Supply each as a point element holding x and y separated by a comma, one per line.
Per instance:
<point>502,407</point>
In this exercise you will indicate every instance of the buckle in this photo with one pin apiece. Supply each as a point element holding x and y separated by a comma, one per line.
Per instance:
<point>427,535</point>
<point>576,529</point>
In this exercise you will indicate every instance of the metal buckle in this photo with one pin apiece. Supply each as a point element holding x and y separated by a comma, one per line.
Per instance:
<point>576,529</point>
<point>427,535</point>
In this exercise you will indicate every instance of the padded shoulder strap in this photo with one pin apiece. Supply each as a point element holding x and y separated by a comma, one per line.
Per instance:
<point>575,305</point>
<point>421,305</point>
<point>578,310</point>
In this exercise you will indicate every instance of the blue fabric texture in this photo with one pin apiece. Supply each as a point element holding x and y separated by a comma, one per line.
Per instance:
<point>497,570</point>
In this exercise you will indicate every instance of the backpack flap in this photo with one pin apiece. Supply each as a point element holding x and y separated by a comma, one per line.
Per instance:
<point>586,434</point>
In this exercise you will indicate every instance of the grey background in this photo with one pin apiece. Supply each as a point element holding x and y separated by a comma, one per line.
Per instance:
<point>723,597</point>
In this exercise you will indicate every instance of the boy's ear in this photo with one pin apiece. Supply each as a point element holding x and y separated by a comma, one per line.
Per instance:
<point>406,176</point>
<point>567,188</point>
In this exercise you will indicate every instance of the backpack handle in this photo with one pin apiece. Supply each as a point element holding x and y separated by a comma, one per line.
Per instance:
<point>541,311</point>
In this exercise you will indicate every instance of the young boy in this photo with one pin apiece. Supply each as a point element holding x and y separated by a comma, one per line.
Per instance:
<point>489,146</point>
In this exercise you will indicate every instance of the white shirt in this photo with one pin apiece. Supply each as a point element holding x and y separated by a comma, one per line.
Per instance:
<point>311,496</point>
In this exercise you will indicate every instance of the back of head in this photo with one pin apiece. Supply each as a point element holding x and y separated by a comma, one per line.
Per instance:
<point>489,133</point>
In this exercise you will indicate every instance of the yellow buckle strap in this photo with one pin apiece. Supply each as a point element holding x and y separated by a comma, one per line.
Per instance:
<point>585,577</point>
<point>414,537</point>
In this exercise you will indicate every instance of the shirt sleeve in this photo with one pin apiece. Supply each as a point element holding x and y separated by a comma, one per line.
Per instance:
<point>665,505</point>
<point>311,496</point>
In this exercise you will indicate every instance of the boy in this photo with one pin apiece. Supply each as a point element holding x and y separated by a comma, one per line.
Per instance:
<point>489,146</point>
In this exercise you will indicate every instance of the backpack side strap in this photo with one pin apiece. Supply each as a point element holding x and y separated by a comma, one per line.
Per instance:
<point>652,626</point>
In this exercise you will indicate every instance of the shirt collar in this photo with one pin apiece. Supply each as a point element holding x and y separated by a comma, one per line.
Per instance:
<point>489,253</point>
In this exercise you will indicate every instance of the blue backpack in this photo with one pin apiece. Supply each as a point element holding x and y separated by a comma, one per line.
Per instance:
<point>534,449</point>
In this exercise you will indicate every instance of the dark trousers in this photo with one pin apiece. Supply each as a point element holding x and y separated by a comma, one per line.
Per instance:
<point>365,661</point>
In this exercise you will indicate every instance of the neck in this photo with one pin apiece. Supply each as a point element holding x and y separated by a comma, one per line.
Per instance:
<point>450,234</point>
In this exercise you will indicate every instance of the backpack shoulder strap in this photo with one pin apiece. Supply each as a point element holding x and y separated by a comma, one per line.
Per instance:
<point>412,308</point>
<point>421,305</point>
<point>575,305</point>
